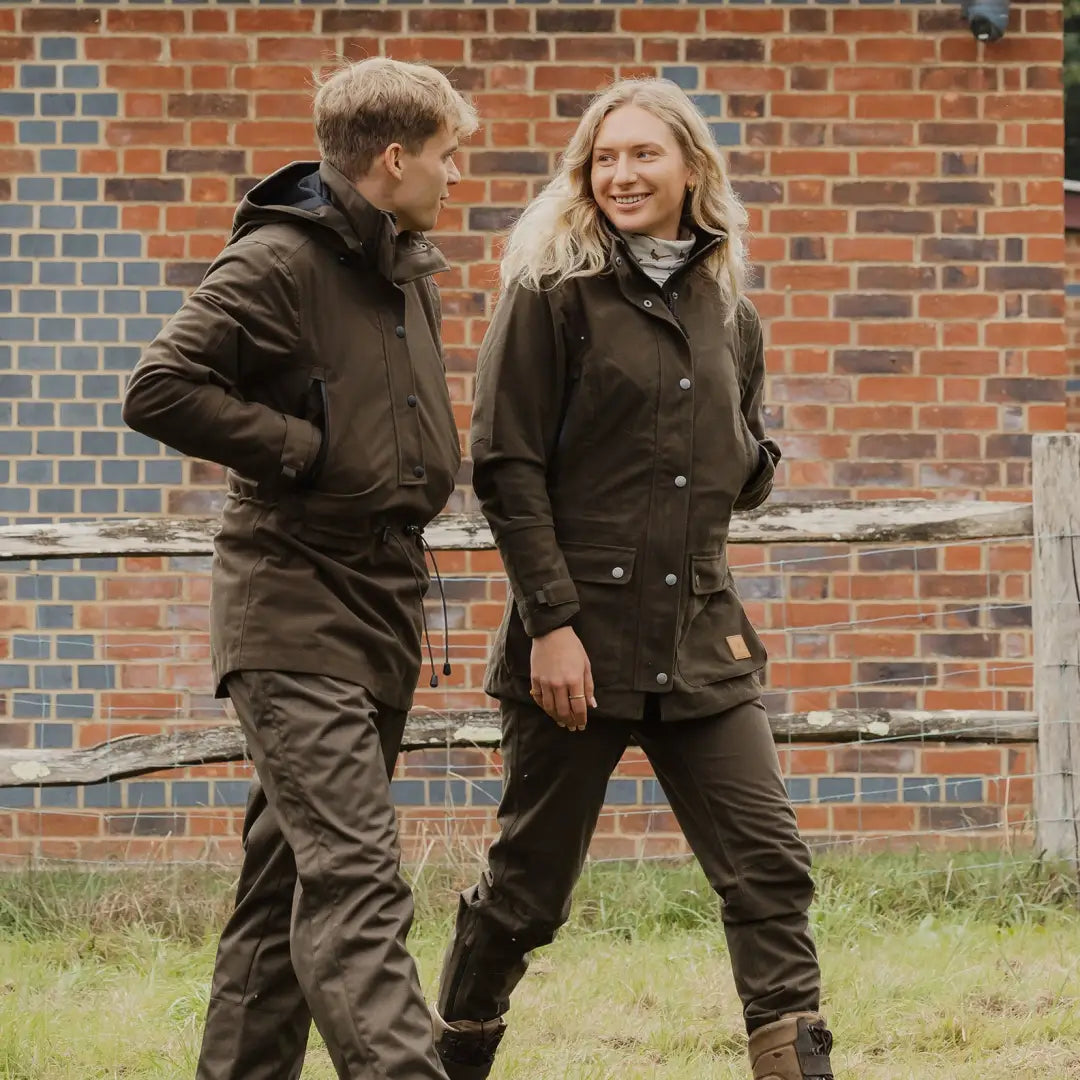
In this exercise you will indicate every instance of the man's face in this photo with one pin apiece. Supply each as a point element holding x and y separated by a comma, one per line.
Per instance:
<point>425,183</point>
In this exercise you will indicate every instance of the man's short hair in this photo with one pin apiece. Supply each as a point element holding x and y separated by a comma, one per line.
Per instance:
<point>363,108</point>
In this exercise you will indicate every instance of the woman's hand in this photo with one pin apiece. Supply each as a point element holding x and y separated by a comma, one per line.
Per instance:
<point>562,683</point>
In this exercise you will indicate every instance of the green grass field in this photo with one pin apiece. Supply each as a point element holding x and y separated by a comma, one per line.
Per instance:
<point>954,970</point>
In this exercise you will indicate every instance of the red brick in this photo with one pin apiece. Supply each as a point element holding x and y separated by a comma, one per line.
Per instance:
<point>122,48</point>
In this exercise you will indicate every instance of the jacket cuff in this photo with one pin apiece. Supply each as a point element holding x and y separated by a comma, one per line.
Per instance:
<point>550,607</point>
<point>757,488</point>
<point>300,447</point>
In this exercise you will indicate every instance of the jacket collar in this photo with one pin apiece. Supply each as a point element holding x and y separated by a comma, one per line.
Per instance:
<point>621,258</point>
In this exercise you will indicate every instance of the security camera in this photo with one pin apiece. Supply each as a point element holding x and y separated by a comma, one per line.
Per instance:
<point>988,19</point>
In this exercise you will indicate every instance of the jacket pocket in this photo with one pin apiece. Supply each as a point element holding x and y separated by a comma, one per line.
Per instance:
<point>318,413</point>
<point>601,574</point>
<point>718,641</point>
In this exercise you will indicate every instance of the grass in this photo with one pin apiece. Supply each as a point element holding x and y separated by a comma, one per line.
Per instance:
<point>960,969</point>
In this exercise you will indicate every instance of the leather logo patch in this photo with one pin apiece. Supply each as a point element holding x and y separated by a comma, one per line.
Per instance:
<point>738,647</point>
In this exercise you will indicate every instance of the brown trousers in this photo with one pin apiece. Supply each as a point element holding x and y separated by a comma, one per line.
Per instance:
<point>722,778</point>
<point>322,913</point>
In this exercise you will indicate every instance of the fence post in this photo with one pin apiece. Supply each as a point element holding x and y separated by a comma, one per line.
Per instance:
<point>1055,593</point>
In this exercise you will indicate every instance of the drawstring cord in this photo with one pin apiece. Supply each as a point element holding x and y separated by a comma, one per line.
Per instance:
<point>415,530</point>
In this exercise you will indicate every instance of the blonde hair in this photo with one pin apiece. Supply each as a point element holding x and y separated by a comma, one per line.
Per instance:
<point>364,107</point>
<point>561,234</point>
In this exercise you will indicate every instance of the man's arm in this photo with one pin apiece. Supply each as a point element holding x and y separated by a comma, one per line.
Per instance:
<point>186,390</point>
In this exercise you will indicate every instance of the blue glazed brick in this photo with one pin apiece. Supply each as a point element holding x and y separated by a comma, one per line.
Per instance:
<point>708,104</point>
<point>15,500</point>
<point>726,134</point>
<point>81,76</point>
<point>164,302</point>
<point>16,798</point>
<point>14,675</point>
<point>94,565</point>
<point>80,131</point>
<point>77,472</point>
<point>59,48</point>
<point>56,501</point>
<point>75,706</point>
<point>103,795</point>
<point>36,414</point>
<point>878,789</point>
<point>55,387</point>
<point>112,414</point>
<point>16,273</point>
<point>123,245</point>
<point>140,445</point>
<point>5,245</point>
<point>81,302</point>
<point>34,587</point>
<point>836,789</point>
<point>58,797</point>
<point>683,75</point>
<point>446,792</point>
<point>142,274</point>
<point>621,792</point>
<point>120,357</point>
<point>5,301</point>
<point>56,273</point>
<point>13,216</point>
<point>57,217</point>
<point>408,792</point>
<point>122,301</point>
<point>99,443</point>
<point>32,706</point>
<point>79,358</point>
<point>15,104</point>
<point>5,362</point>
<point>98,502</point>
<point>163,472</point>
<point>53,677</point>
<point>75,647</point>
<point>79,189</point>
<point>967,789</point>
<point>652,794</point>
<point>17,329</point>
<point>16,442</point>
<point>486,792</point>
<point>57,105</point>
<point>798,789</point>
<point>101,386</point>
<point>104,273</point>
<point>37,131</point>
<point>99,217</point>
<point>37,245</point>
<point>120,472</point>
<point>79,245</point>
<point>31,647</point>
<point>78,588</point>
<point>37,76</point>
<point>56,329</point>
<point>97,676</point>
<point>922,789</point>
<point>34,472</point>
<point>101,104</point>
<point>55,442</point>
<point>100,329</point>
<point>59,161</point>
<point>146,793</point>
<point>231,792</point>
<point>37,301</point>
<point>142,329</point>
<point>35,188</point>
<point>190,793</point>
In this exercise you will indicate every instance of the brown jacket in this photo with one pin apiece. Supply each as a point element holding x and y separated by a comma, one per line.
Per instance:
<point>616,427</point>
<point>309,363</point>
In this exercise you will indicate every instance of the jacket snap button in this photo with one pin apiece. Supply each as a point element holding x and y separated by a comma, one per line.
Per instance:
<point>618,260</point>
<point>684,384</point>
<point>647,303</point>
<point>418,472</point>
<point>680,481</point>
<point>671,579</point>
<point>399,330</point>
<point>662,679</point>
<point>674,296</point>
<point>411,401</point>
<point>617,572</point>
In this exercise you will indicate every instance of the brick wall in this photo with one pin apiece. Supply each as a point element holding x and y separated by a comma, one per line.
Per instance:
<point>904,186</point>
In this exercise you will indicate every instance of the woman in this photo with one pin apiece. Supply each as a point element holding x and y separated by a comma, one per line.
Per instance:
<point>618,422</point>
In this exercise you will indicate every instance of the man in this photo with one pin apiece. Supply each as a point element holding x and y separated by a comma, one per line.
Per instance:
<point>309,363</point>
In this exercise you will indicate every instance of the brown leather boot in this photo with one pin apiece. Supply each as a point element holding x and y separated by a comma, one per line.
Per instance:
<point>795,1047</point>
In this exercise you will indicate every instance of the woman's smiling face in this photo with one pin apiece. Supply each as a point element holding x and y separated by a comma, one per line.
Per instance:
<point>639,177</point>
